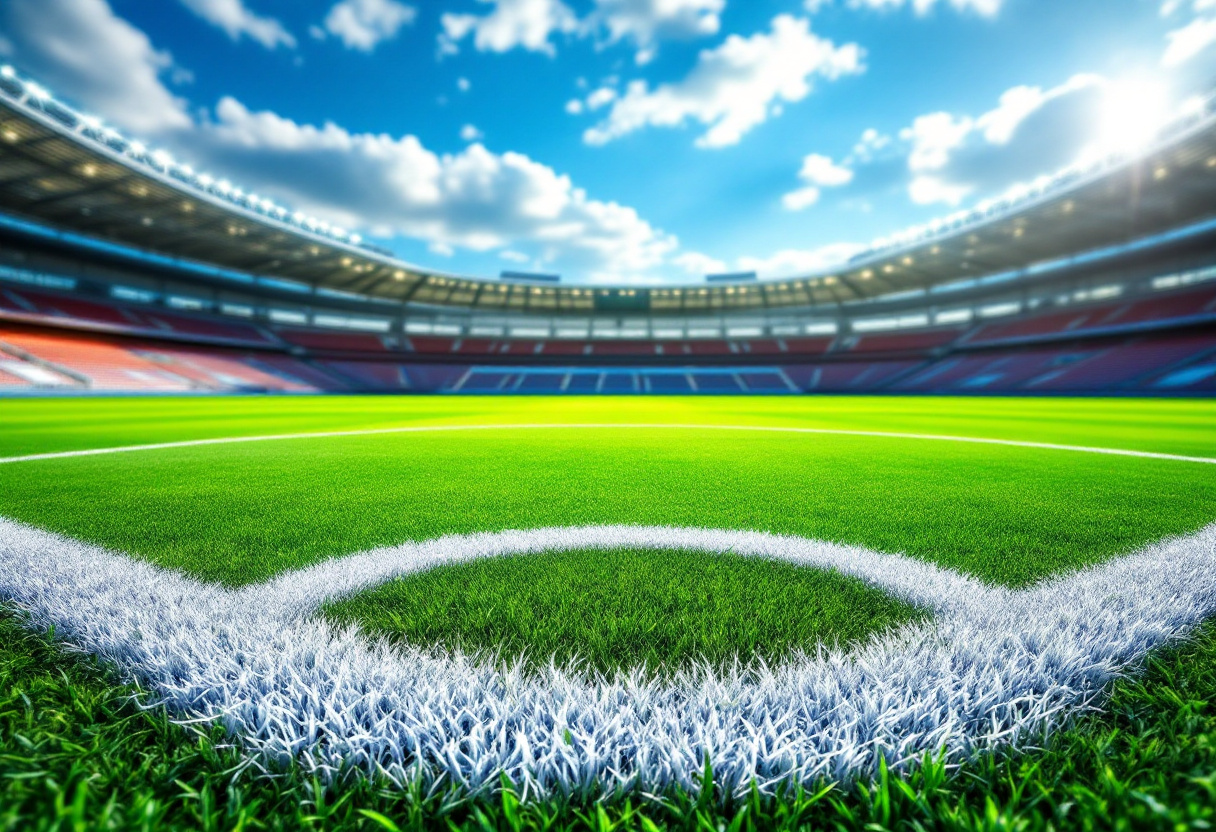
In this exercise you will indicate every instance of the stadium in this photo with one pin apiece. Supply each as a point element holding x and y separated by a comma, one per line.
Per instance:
<point>298,533</point>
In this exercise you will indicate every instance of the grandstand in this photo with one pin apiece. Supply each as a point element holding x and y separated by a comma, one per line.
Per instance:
<point>123,271</point>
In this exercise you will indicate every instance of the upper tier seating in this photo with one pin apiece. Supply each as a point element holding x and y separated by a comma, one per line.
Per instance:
<point>808,346</point>
<point>906,341</point>
<point>209,328</point>
<point>325,340</point>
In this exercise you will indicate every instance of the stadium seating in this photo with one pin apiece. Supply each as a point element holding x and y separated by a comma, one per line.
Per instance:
<point>905,341</point>
<point>853,376</point>
<point>325,341</point>
<point>1161,343</point>
<point>1121,365</point>
<point>208,328</point>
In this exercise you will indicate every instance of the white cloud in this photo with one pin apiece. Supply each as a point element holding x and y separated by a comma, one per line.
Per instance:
<point>471,134</point>
<point>869,145</point>
<point>698,264</point>
<point>386,185</point>
<point>574,107</point>
<point>930,190</point>
<point>362,24</point>
<point>64,42</point>
<point>473,199</point>
<point>463,84</point>
<point>601,97</point>
<point>1190,40</point>
<point>237,20</point>
<point>933,137</point>
<point>986,8</point>
<point>646,22</point>
<point>817,172</point>
<point>512,256</point>
<point>511,24</point>
<point>794,262</point>
<point>945,149</point>
<point>733,87</point>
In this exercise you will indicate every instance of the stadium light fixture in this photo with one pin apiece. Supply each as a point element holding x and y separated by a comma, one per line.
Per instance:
<point>7,71</point>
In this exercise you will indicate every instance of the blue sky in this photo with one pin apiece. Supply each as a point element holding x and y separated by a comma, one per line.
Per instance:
<point>622,140</point>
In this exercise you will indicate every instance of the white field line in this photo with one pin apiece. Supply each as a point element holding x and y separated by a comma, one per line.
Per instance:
<point>227,440</point>
<point>994,667</point>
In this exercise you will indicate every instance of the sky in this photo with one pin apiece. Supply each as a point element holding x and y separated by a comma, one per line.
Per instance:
<point>623,141</point>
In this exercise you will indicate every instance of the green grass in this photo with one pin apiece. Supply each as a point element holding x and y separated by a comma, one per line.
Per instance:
<point>77,754</point>
<point>622,609</point>
<point>241,513</point>
<point>1168,426</point>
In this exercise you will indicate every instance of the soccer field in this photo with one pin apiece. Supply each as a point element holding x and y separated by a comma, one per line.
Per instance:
<point>597,597</point>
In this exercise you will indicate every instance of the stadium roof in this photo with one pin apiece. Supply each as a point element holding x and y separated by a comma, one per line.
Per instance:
<point>66,170</point>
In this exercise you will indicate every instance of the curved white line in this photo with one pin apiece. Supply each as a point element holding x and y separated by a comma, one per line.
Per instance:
<point>995,667</point>
<point>190,443</point>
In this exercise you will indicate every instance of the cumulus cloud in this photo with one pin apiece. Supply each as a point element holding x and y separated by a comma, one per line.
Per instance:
<point>733,87</point>
<point>1031,131</point>
<point>362,24</point>
<point>471,134</point>
<point>817,172</point>
<point>1190,40</point>
<point>1194,37</point>
<point>646,22</point>
<point>697,264</point>
<point>986,8</point>
<point>63,42</point>
<point>238,21</point>
<point>794,262</point>
<point>533,24</point>
<point>474,199</point>
<point>383,184</point>
<point>511,24</point>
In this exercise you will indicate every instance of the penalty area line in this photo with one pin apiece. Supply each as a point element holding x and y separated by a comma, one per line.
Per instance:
<point>930,437</point>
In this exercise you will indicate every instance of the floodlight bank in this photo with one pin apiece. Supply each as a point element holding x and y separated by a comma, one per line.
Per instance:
<point>995,667</point>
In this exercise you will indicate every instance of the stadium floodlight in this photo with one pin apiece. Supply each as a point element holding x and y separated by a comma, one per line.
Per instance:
<point>137,149</point>
<point>7,71</point>
<point>36,92</point>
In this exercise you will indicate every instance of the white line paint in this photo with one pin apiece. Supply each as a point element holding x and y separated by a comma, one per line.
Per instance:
<point>227,440</point>
<point>994,667</point>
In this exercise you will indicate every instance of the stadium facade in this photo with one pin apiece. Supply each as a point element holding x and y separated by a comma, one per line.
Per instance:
<point>122,270</point>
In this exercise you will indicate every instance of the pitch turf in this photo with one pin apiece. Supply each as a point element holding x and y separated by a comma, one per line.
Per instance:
<point>626,608</point>
<point>241,513</point>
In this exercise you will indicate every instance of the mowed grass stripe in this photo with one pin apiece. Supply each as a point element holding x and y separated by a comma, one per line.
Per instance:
<point>243,513</point>
<point>1181,427</point>
<point>610,610</point>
